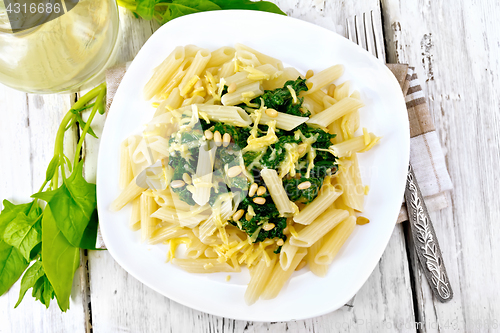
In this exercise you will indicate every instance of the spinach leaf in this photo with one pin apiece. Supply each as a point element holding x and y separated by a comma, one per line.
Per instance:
<point>24,232</point>
<point>60,259</point>
<point>166,10</point>
<point>12,265</point>
<point>90,234</point>
<point>30,277</point>
<point>281,99</point>
<point>274,156</point>
<point>72,205</point>
<point>146,8</point>
<point>43,291</point>
<point>263,213</point>
<point>12,262</point>
<point>263,6</point>
<point>304,196</point>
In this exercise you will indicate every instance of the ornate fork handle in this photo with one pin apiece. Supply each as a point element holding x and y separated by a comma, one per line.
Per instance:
<point>426,243</point>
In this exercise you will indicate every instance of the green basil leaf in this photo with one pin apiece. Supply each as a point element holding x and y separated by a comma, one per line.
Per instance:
<point>30,277</point>
<point>24,233</point>
<point>12,262</point>
<point>90,235</point>
<point>60,259</point>
<point>72,205</point>
<point>51,169</point>
<point>264,6</point>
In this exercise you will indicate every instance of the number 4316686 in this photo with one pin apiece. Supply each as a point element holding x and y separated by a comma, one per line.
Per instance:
<point>34,8</point>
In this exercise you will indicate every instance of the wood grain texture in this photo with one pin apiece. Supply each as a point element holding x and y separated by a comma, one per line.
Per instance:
<point>455,49</point>
<point>27,135</point>
<point>121,303</point>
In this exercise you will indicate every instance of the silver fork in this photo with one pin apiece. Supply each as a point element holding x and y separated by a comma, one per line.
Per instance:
<point>367,32</point>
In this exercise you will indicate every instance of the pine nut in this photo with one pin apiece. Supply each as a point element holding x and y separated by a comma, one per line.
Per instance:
<point>217,138</point>
<point>226,139</point>
<point>237,216</point>
<point>301,265</point>
<point>231,88</point>
<point>253,189</point>
<point>259,200</point>
<point>209,135</point>
<point>309,74</point>
<point>269,226</point>
<point>304,185</point>
<point>248,217</point>
<point>234,171</point>
<point>280,242</point>
<point>272,113</point>
<point>302,149</point>
<point>286,231</point>
<point>261,190</point>
<point>187,178</point>
<point>331,90</point>
<point>177,184</point>
<point>362,220</point>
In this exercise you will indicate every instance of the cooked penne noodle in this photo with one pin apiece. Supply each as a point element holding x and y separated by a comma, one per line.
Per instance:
<point>351,146</point>
<point>191,50</point>
<point>204,171</point>
<point>318,96</point>
<point>328,101</point>
<point>350,182</point>
<point>203,265</point>
<point>334,112</point>
<point>227,69</point>
<point>319,227</point>
<point>259,280</point>
<point>263,58</point>
<point>334,240</point>
<point>279,276</point>
<point>126,172</point>
<point>287,74</point>
<point>323,78</point>
<point>284,120</point>
<point>196,248</point>
<point>163,72</point>
<point>317,269</point>
<point>176,79</point>
<point>242,94</point>
<point>275,186</point>
<point>220,56</point>
<point>130,192</point>
<point>148,223</point>
<point>163,234</point>
<point>135,216</point>
<point>312,106</point>
<point>287,253</point>
<point>247,58</point>
<point>194,71</point>
<point>324,200</point>
<point>342,91</point>
<point>233,115</point>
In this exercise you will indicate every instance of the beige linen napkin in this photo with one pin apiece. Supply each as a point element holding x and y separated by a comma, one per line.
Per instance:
<point>426,155</point>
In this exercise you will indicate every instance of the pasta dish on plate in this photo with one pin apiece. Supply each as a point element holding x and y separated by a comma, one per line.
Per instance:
<point>246,163</point>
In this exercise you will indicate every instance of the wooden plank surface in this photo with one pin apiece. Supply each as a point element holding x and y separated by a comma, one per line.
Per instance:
<point>121,303</point>
<point>27,135</point>
<point>455,48</point>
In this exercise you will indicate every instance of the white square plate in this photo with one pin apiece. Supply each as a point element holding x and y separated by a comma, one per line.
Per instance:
<point>303,46</point>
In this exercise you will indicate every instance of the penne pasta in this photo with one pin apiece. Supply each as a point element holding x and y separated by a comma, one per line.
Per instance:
<point>334,240</point>
<point>164,72</point>
<point>334,112</point>
<point>324,200</point>
<point>317,229</point>
<point>279,276</point>
<point>209,170</point>
<point>323,78</point>
<point>275,186</point>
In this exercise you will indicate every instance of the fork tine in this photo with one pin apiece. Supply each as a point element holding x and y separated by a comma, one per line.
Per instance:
<point>360,31</point>
<point>370,36</point>
<point>351,29</point>
<point>379,36</point>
